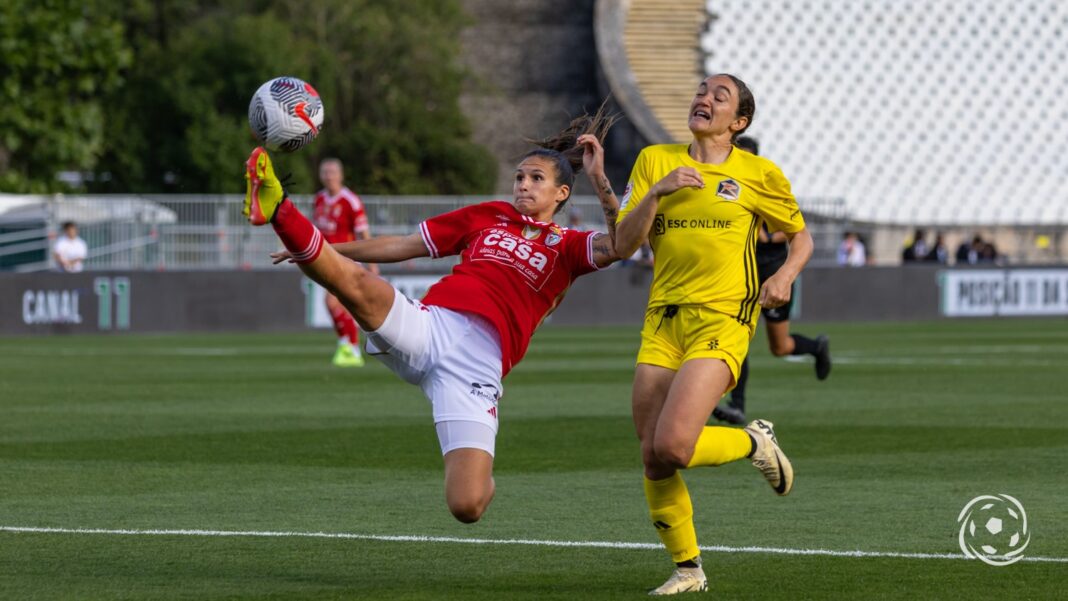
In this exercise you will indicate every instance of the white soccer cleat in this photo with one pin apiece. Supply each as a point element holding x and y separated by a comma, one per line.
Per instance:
<point>769,458</point>
<point>684,580</point>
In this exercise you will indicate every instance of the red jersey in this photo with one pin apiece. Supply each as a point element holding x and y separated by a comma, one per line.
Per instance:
<point>339,217</point>
<point>513,270</point>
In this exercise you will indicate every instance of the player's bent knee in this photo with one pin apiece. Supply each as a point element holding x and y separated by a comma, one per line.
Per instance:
<point>673,453</point>
<point>780,349</point>
<point>468,510</point>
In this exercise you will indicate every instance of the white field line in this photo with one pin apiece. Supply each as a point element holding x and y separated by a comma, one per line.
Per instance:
<point>492,541</point>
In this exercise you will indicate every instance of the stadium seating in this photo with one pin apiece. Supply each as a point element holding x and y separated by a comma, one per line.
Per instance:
<point>913,112</point>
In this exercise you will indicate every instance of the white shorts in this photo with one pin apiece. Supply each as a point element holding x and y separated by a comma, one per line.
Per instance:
<point>455,358</point>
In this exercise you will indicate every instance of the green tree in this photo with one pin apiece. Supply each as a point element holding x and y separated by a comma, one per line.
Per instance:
<point>58,61</point>
<point>389,78</point>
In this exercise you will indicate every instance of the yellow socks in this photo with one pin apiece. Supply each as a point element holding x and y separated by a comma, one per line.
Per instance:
<point>672,514</point>
<point>718,445</point>
<point>669,501</point>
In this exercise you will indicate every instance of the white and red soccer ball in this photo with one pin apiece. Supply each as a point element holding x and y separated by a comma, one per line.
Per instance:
<point>285,114</point>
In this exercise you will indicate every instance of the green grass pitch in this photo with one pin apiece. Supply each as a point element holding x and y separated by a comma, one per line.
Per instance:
<point>260,433</point>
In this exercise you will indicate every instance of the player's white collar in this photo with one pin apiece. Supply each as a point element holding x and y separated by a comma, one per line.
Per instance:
<point>332,199</point>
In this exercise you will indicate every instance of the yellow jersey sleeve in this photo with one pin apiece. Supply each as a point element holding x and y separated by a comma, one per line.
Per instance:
<point>637,186</point>
<point>776,203</point>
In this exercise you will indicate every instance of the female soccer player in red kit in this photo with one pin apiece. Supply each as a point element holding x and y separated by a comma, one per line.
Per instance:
<point>474,325</point>
<point>339,215</point>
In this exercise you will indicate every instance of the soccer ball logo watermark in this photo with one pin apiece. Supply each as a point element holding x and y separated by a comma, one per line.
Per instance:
<point>993,529</point>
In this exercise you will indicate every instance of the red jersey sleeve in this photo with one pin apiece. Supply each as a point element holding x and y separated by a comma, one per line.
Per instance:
<point>578,250</point>
<point>359,215</point>
<point>446,234</point>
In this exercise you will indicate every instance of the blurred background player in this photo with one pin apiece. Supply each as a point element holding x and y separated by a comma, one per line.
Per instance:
<point>70,251</point>
<point>771,253</point>
<point>339,215</point>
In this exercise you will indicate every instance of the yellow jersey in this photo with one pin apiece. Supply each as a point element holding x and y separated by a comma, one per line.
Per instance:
<point>704,241</point>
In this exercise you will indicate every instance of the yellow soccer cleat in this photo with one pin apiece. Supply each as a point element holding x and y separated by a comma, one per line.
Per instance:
<point>769,458</point>
<point>683,580</point>
<point>263,191</point>
<point>347,356</point>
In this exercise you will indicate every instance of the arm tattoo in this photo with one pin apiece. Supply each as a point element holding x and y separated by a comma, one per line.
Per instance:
<point>604,251</point>
<point>609,205</point>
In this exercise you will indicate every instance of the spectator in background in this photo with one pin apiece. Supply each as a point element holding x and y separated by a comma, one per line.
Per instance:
<point>70,251</point>
<point>988,253</point>
<point>917,249</point>
<point>851,252</point>
<point>939,252</point>
<point>968,252</point>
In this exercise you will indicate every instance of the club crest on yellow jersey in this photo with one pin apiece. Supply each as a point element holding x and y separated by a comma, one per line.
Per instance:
<point>729,189</point>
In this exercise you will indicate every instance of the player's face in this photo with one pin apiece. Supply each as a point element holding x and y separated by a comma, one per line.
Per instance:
<point>535,190</point>
<point>714,107</point>
<point>72,232</point>
<point>330,176</point>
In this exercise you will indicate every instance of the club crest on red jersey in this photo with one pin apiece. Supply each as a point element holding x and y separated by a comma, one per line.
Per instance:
<point>555,236</point>
<point>729,189</point>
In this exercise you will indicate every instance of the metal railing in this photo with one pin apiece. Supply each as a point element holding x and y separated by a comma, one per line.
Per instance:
<point>195,232</point>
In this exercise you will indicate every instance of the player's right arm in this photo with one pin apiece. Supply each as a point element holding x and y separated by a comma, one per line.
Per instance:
<point>383,249</point>
<point>635,221</point>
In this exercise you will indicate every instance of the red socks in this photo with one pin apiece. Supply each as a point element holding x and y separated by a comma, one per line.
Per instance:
<point>302,239</point>
<point>345,325</point>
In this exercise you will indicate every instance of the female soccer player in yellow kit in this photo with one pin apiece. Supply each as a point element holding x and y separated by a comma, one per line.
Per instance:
<point>701,206</point>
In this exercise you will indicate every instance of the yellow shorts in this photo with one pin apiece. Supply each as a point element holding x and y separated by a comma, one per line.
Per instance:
<point>674,334</point>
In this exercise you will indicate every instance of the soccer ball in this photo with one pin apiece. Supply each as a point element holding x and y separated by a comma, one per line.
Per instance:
<point>285,114</point>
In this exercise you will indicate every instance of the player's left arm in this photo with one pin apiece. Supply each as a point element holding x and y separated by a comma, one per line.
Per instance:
<point>365,234</point>
<point>777,205</point>
<point>604,245</point>
<point>776,290</point>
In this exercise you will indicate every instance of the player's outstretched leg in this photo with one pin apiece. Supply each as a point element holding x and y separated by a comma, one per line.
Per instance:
<point>782,343</point>
<point>367,296</point>
<point>769,458</point>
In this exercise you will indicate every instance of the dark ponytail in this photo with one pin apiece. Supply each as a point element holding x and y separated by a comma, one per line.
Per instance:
<point>563,150</point>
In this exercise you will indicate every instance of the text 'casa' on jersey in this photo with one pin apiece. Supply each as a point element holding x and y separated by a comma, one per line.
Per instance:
<point>704,240</point>
<point>513,270</point>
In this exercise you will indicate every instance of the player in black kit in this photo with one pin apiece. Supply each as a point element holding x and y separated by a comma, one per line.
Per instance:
<point>771,251</point>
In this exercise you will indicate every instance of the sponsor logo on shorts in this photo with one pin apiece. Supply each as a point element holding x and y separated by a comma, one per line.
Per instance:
<point>535,262</point>
<point>486,392</point>
<point>713,345</point>
<point>729,189</point>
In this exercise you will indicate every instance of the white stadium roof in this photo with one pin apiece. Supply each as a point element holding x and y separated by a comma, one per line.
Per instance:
<point>927,112</point>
